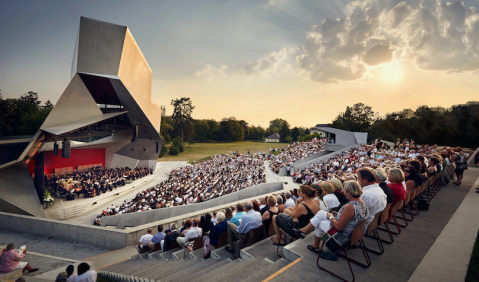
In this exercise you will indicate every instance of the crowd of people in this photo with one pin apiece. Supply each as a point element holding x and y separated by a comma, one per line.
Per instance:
<point>220,175</point>
<point>295,152</point>
<point>95,181</point>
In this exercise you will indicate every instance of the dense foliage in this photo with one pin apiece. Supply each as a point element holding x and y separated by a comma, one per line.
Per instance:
<point>454,126</point>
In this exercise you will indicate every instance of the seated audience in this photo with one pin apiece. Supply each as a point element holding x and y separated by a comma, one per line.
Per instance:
<point>216,231</point>
<point>289,201</point>
<point>267,216</point>
<point>208,224</point>
<point>85,274</point>
<point>187,227</point>
<point>381,177</point>
<point>160,236</point>
<point>373,196</point>
<point>329,198</point>
<point>280,201</point>
<point>251,220</point>
<point>396,177</point>
<point>170,238</point>
<point>343,221</point>
<point>11,260</point>
<point>70,275</point>
<point>299,216</point>
<point>61,277</point>
<point>338,191</point>
<point>193,232</point>
<point>239,214</point>
<point>318,200</point>
<point>145,240</point>
<point>228,214</point>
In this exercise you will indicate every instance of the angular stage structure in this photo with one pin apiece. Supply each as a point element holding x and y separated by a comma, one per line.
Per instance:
<point>108,98</point>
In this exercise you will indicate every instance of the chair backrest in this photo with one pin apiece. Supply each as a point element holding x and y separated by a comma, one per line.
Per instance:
<point>374,224</point>
<point>157,247</point>
<point>253,236</point>
<point>144,249</point>
<point>271,231</point>
<point>385,214</point>
<point>173,245</point>
<point>223,240</point>
<point>198,243</point>
<point>397,206</point>
<point>358,232</point>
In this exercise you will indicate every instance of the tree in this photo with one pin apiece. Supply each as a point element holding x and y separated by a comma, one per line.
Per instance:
<point>246,129</point>
<point>182,110</point>
<point>284,131</point>
<point>48,104</point>
<point>359,117</point>
<point>289,139</point>
<point>202,130</point>
<point>275,124</point>
<point>295,133</point>
<point>339,123</point>
<point>163,111</point>
<point>32,98</point>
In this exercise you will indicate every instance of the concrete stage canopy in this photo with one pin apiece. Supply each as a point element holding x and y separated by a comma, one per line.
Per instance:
<point>109,96</point>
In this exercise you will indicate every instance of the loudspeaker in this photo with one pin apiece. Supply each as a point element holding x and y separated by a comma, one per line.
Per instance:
<point>55,149</point>
<point>66,149</point>
<point>135,133</point>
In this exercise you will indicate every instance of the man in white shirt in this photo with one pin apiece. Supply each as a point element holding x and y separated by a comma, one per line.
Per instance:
<point>85,274</point>
<point>145,239</point>
<point>373,196</point>
<point>289,202</point>
<point>193,233</point>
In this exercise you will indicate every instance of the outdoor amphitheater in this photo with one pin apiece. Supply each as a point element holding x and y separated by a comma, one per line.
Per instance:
<point>115,211</point>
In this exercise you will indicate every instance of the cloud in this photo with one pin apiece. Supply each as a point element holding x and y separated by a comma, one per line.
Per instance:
<point>378,54</point>
<point>211,73</point>
<point>440,37</point>
<point>262,67</point>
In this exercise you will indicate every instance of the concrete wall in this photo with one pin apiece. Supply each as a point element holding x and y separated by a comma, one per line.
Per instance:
<point>282,171</point>
<point>140,218</point>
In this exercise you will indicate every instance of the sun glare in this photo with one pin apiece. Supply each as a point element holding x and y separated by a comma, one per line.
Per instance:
<point>391,73</point>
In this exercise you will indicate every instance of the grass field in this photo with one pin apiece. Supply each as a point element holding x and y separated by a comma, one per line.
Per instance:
<point>202,151</point>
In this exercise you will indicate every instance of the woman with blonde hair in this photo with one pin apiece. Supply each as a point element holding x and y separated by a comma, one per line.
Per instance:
<point>267,216</point>
<point>343,221</point>
<point>396,178</point>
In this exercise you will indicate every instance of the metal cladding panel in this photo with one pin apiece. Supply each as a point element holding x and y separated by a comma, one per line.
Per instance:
<point>70,126</point>
<point>76,103</point>
<point>17,189</point>
<point>136,75</point>
<point>361,137</point>
<point>100,46</point>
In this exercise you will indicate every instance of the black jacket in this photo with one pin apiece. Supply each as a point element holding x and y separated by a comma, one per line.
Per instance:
<point>171,237</point>
<point>388,192</point>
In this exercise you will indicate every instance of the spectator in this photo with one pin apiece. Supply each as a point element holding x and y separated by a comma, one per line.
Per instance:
<point>160,236</point>
<point>256,206</point>
<point>209,224</point>
<point>396,177</point>
<point>239,214</point>
<point>85,274</point>
<point>71,276</point>
<point>214,220</point>
<point>461,165</point>
<point>193,232</point>
<point>216,231</point>
<point>373,196</point>
<point>338,187</point>
<point>170,238</point>
<point>289,201</point>
<point>419,177</point>
<point>187,227</point>
<point>61,277</point>
<point>228,214</point>
<point>267,217</point>
<point>343,221</point>
<point>251,220</point>
<point>381,177</point>
<point>11,260</point>
<point>329,198</point>
<point>318,200</point>
<point>144,240</point>
<point>279,200</point>
<point>299,216</point>
<point>264,205</point>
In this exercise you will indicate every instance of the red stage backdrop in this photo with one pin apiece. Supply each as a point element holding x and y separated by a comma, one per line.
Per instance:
<point>77,157</point>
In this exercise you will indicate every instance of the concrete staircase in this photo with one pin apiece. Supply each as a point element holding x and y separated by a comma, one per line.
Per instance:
<point>256,263</point>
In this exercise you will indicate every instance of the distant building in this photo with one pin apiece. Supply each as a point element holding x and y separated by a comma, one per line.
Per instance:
<point>314,129</point>
<point>273,138</point>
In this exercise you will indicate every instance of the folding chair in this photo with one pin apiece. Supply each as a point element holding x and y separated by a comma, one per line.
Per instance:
<point>223,240</point>
<point>384,220</point>
<point>372,228</point>
<point>406,203</point>
<point>356,237</point>
<point>253,236</point>
<point>156,247</point>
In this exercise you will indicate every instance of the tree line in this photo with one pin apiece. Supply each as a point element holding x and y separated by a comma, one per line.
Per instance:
<point>454,126</point>
<point>22,116</point>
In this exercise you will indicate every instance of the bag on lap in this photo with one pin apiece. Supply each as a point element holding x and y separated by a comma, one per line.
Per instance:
<point>333,239</point>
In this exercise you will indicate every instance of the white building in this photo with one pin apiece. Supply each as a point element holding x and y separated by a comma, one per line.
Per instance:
<point>273,138</point>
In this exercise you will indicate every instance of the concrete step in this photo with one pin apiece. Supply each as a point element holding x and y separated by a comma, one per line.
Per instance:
<point>262,249</point>
<point>168,254</point>
<point>210,269</point>
<point>180,254</point>
<point>267,271</point>
<point>122,265</point>
<point>176,267</point>
<point>191,270</point>
<point>154,255</point>
<point>242,269</point>
<point>221,253</point>
<point>224,268</point>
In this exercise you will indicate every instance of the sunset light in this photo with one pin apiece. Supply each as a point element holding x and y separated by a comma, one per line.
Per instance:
<point>391,73</point>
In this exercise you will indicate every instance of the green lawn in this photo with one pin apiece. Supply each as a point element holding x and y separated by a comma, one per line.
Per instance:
<point>202,151</point>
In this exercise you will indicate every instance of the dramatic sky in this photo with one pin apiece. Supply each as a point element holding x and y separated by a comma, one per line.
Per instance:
<point>303,61</point>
